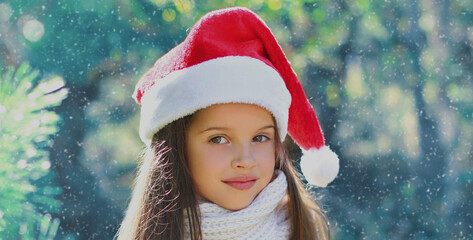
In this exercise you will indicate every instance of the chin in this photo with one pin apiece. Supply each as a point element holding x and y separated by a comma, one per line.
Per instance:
<point>237,206</point>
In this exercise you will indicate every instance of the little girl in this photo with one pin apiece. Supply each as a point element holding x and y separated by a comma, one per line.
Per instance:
<point>214,113</point>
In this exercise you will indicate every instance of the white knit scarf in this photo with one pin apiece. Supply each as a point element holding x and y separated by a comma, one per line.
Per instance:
<point>262,219</point>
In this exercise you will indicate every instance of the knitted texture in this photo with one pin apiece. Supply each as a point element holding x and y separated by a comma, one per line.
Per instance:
<point>262,219</point>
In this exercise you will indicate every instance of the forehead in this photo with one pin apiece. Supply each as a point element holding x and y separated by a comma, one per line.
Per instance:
<point>232,113</point>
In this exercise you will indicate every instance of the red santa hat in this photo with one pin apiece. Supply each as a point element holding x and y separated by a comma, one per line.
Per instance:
<point>231,56</point>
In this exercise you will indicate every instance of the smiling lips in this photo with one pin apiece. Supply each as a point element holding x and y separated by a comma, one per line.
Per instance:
<point>241,182</point>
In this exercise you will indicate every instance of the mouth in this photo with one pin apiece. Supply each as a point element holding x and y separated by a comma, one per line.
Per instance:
<point>241,182</point>
<point>241,185</point>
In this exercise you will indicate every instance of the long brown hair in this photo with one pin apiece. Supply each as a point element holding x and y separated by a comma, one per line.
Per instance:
<point>164,196</point>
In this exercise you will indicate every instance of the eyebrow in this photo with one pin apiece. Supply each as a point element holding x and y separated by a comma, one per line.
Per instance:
<point>224,128</point>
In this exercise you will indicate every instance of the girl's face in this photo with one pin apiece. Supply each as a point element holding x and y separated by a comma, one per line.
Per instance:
<point>231,153</point>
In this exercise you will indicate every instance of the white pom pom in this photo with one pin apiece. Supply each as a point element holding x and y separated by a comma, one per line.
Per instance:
<point>319,166</point>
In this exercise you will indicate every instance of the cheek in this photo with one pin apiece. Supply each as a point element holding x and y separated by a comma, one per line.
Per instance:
<point>205,160</point>
<point>266,156</point>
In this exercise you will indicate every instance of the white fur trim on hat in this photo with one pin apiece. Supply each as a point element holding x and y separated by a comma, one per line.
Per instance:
<point>231,79</point>
<point>319,166</point>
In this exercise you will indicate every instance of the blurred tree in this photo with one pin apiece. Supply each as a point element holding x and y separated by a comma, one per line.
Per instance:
<point>27,191</point>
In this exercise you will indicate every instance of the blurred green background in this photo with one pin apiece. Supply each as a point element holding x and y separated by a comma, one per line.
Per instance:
<point>391,82</point>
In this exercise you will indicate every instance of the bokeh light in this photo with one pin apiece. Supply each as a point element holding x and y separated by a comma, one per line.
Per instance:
<point>33,30</point>
<point>5,12</point>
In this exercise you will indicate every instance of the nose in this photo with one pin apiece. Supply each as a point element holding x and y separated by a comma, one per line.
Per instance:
<point>244,157</point>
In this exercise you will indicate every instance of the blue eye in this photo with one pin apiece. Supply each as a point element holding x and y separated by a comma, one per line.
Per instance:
<point>260,138</point>
<point>218,140</point>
